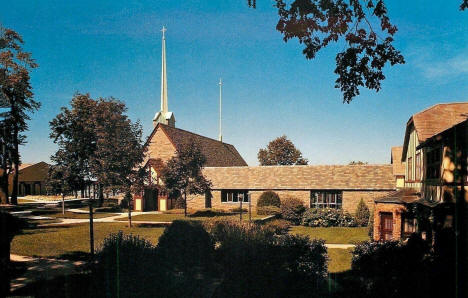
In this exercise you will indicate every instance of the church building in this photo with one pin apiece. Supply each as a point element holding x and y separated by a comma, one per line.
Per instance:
<point>234,182</point>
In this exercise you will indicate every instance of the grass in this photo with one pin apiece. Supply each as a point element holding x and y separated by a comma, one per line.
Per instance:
<point>340,259</point>
<point>73,239</point>
<point>169,217</point>
<point>22,201</point>
<point>335,235</point>
<point>73,215</point>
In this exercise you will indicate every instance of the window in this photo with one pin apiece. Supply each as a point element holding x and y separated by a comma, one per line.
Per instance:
<point>418,166</point>
<point>234,196</point>
<point>433,163</point>
<point>410,168</point>
<point>326,199</point>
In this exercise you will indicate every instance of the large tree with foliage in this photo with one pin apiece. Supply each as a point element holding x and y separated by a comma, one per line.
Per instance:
<point>363,27</point>
<point>182,174</point>
<point>16,95</point>
<point>282,152</point>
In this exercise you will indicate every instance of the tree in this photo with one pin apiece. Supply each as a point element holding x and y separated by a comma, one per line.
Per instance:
<point>281,151</point>
<point>354,163</point>
<point>362,214</point>
<point>182,174</point>
<point>16,94</point>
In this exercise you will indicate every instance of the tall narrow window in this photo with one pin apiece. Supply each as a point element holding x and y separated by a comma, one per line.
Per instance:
<point>417,165</point>
<point>433,163</point>
<point>410,168</point>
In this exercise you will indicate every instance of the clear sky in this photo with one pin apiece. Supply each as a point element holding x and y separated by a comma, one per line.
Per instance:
<point>113,48</point>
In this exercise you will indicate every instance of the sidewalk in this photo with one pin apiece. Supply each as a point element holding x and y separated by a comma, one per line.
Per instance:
<point>43,268</point>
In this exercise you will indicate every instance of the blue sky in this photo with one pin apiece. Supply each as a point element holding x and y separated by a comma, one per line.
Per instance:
<point>113,48</point>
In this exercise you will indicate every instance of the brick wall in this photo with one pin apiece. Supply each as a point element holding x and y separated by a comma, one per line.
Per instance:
<point>350,199</point>
<point>396,210</point>
<point>160,147</point>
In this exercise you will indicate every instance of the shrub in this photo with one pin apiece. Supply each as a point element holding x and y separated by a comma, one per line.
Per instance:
<point>278,226</point>
<point>327,217</point>
<point>269,198</point>
<point>399,269</point>
<point>292,209</point>
<point>362,214</point>
<point>185,245</point>
<point>268,210</point>
<point>257,262</point>
<point>126,260</point>
<point>208,213</point>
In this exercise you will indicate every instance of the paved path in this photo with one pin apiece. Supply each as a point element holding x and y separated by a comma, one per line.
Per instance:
<point>42,268</point>
<point>122,215</point>
<point>343,246</point>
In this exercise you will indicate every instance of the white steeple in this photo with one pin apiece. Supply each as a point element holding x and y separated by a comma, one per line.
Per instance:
<point>164,116</point>
<point>220,109</point>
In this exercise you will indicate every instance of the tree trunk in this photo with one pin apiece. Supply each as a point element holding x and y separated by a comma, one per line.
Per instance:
<point>101,196</point>
<point>14,192</point>
<point>63,203</point>
<point>185,203</point>
<point>129,210</point>
<point>4,188</point>
<point>91,229</point>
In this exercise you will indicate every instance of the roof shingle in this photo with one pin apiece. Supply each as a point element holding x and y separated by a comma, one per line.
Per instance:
<point>355,177</point>
<point>398,165</point>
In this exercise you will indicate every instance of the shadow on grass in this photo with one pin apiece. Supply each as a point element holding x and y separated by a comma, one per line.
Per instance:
<point>75,256</point>
<point>77,285</point>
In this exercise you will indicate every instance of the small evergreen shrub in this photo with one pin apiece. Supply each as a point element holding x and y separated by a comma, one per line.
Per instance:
<point>362,214</point>
<point>371,226</point>
<point>327,217</point>
<point>269,198</point>
<point>292,209</point>
<point>268,210</point>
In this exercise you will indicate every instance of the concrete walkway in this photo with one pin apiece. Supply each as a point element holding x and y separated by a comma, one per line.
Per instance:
<point>342,246</point>
<point>42,268</point>
<point>122,215</point>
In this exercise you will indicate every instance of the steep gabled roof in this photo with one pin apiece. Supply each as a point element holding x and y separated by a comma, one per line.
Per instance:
<point>398,165</point>
<point>351,177</point>
<point>35,172</point>
<point>218,154</point>
<point>434,120</point>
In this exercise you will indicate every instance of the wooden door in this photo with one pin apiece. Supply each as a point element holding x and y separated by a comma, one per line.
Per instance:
<point>386,226</point>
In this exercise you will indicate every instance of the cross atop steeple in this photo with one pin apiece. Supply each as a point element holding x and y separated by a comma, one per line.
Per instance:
<point>164,116</point>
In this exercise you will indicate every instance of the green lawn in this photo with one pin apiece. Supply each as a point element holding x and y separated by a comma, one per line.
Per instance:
<point>165,217</point>
<point>340,259</point>
<point>56,241</point>
<point>336,235</point>
<point>73,215</point>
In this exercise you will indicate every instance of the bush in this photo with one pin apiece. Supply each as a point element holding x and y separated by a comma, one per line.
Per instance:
<point>371,226</point>
<point>292,209</point>
<point>208,213</point>
<point>257,262</point>
<point>362,214</point>
<point>399,269</point>
<point>185,245</point>
<point>327,217</point>
<point>268,210</point>
<point>269,198</point>
<point>278,226</point>
<point>125,260</point>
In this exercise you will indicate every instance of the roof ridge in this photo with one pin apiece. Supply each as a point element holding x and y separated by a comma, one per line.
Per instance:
<point>305,166</point>
<point>439,104</point>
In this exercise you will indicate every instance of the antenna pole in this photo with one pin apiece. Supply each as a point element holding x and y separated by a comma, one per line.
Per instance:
<point>220,109</point>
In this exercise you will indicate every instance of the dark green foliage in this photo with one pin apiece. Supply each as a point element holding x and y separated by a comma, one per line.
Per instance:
<point>278,226</point>
<point>327,217</point>
<point>292,209</point>
<point>398,269</point>
<point>186,246</point>
<point>257,262</point>
<point>282,152</point>
<point>179,203</point>
<point>269,198</point>
<point>268,210</point>
<point>126,264</point>
<point>362,214</point>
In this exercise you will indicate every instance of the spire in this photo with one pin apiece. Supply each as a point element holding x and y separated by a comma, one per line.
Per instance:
<point>220,109</point>
<point>164,116</point>
<point>164,107</point>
